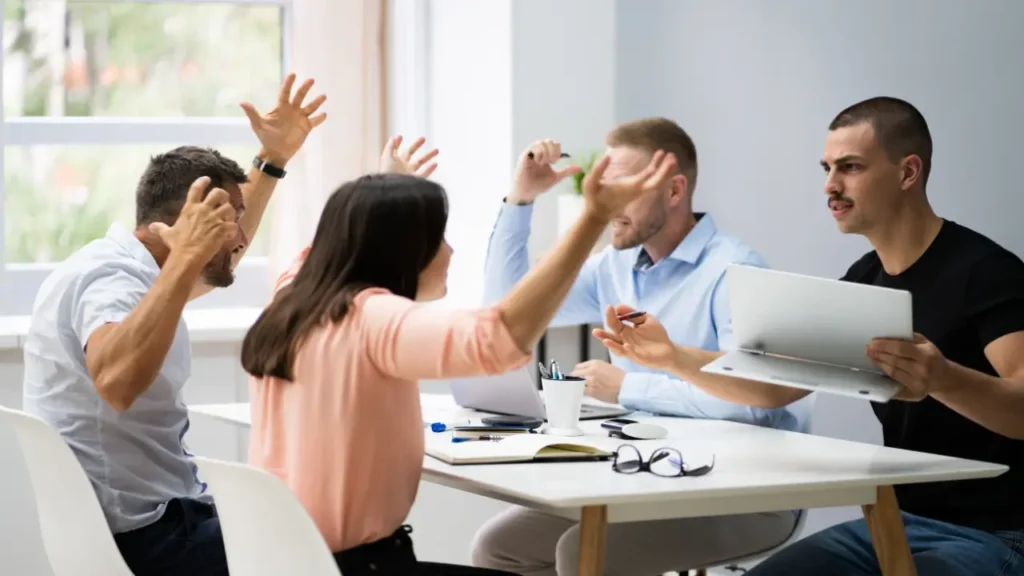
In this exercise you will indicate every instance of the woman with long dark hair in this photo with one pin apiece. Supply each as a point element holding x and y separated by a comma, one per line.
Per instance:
<point>335,358</point>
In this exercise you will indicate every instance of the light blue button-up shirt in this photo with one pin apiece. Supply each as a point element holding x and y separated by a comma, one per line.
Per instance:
<point>137,459</point>
<point>686,291</point>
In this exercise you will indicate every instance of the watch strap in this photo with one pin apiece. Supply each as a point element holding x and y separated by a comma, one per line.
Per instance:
<point>268,168</point>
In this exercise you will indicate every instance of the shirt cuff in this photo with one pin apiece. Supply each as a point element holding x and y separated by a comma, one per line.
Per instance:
<point>515,217</point>
<point>634,390</point>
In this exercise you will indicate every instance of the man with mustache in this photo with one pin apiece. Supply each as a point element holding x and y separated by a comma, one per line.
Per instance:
<point>963,372</point>
<point>667,259</point>
<point>108,353</point>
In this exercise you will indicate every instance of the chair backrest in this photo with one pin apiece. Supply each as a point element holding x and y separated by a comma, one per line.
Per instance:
<point>75,533</point>
<point>267,531</point>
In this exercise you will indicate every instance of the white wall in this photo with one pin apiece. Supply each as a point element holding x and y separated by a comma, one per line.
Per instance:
<point>756,84</point>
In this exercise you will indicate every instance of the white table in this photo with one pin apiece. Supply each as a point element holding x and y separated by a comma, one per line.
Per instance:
<point>756,470</point>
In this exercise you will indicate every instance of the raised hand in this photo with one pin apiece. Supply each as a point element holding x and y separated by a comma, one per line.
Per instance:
<point>395,161</point>
<point>535,173</point>
<point>284,129</point>
<point>604,199</point>
<point>643,340</point>
<point>203,226</point>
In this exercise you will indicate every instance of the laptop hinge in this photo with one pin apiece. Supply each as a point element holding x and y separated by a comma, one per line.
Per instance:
<point>750,351</point>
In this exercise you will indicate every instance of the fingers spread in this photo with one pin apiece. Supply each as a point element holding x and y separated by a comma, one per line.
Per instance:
<point>424,158</point>
<point>314,105</point>
<point>301,94</point>
<point>286,89</point>
<point>427,170</point>
<point>412,149</point>
<point>393,143</point>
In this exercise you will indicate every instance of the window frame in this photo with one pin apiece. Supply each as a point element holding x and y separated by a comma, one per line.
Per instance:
<point>19,282</point>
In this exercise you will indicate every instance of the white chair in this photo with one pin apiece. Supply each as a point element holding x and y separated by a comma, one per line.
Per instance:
<point>267,531</point>
<point>75,533</point>
<point>735,563</point>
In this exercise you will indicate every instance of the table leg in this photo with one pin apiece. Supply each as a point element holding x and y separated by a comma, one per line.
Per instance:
<point>593,528</point>
<point>888,535</point>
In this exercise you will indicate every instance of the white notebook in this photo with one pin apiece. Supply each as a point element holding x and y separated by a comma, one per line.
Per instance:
<point>518,448</point>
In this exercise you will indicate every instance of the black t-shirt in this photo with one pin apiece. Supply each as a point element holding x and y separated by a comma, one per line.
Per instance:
<point>967,291</point>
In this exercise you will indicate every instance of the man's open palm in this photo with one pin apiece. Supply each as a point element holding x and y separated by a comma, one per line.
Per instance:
<point>283,130</point>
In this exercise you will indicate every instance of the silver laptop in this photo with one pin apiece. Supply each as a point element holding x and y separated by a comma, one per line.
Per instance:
<point>515,393</point>
<point>811,333</point>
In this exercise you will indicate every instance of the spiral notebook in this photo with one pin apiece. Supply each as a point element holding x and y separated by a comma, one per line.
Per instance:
<point>518,448</point>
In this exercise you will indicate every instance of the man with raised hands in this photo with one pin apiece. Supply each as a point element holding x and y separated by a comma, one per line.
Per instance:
<point>108,353</point>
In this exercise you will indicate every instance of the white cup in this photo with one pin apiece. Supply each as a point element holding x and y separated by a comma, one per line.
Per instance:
<point>563,400</point>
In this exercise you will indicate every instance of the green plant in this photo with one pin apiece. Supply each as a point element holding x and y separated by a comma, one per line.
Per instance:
<point>586,163</point>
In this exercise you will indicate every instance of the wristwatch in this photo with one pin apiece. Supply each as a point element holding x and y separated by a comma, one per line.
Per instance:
<point>268,168</point>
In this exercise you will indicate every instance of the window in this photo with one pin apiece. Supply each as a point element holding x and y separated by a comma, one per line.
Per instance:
<point>92,89</point>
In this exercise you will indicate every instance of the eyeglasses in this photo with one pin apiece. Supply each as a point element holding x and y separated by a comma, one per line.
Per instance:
<point>667,462</point>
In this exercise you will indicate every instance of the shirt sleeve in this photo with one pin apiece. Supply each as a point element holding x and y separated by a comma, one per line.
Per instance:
<point>105,297</point>
<point>508,262</point>
<point>410,340</point>
<point>995,297</point>
<point>288,275</point>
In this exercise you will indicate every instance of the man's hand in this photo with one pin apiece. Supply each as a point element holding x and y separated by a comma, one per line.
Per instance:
<point>203,227</point>
<point>604,199</point>
<point>394,161</point>
<point>604,381</point>
<point>535,175</point>
<point>283,130</point>
<point>643,340</point>
<point>917,364</point>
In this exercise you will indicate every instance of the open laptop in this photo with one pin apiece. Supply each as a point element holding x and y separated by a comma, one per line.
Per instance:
<point>811,333</point>
<point>515,393</point>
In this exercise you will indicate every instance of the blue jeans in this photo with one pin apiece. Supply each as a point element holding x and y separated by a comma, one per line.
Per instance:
<point>939,549</point>
<point>185,540</point>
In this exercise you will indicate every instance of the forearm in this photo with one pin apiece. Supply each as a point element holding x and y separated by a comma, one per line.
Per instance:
<point>507,260</point>
<point>133,351</point>
<point>256,194</point>
<point>530,305</point>
<point>687,365</point>
<point>993,402</point>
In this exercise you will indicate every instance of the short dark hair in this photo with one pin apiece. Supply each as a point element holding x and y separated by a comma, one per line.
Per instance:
<point>164,185</point>
<point>900,128</point>
<point>653,134</point>
<point>379,231</point>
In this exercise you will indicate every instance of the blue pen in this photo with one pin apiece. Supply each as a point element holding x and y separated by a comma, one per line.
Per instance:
<point>556,372</point>
<point>442,427</point>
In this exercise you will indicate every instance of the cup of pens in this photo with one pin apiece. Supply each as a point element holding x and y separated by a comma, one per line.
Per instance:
<point>563,398</point>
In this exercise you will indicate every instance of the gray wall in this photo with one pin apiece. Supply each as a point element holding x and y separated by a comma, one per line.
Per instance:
<point>756,84</point>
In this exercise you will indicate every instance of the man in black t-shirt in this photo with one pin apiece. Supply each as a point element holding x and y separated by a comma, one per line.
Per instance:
<point>963,373</point>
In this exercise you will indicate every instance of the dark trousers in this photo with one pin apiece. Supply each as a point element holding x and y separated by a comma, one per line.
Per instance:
<point>185,540</point>
<point>394,556</point>
<point>938,549</point>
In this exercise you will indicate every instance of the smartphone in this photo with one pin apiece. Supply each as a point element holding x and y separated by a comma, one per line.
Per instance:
<point>509,420</point>
<point>616,423</point>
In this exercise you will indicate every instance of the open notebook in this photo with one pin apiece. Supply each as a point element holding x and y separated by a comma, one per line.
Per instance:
<point>518,448</point>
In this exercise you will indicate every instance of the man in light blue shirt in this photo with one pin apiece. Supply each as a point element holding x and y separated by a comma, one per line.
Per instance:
<point>107,353</point>
<point>671,262</point>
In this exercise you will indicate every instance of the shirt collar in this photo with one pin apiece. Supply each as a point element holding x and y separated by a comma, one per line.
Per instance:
<point>690,249</point>
<point>127,240</point>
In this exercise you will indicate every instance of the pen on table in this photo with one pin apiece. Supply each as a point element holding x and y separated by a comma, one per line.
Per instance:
<point>484,438</point>
<point>631,315</point>
<point>442,426</point>
<point>562,155</point>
